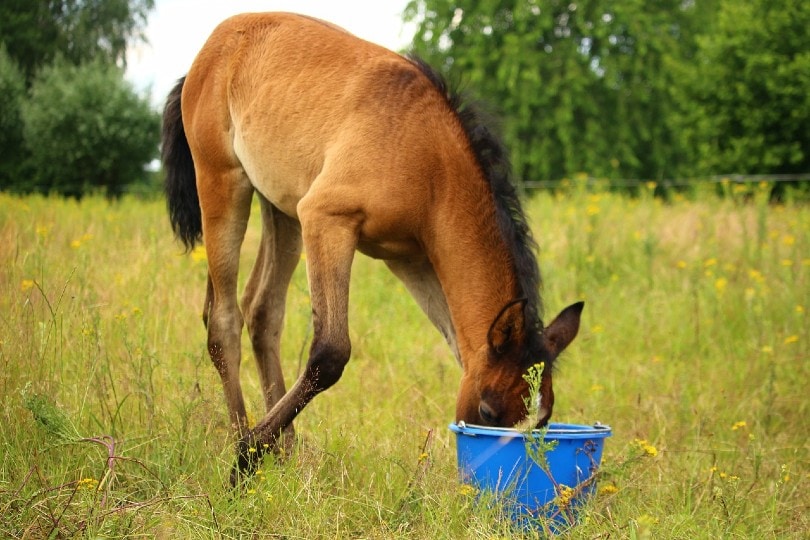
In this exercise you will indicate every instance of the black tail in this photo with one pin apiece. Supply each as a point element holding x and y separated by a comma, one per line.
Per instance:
<point>181,182</point>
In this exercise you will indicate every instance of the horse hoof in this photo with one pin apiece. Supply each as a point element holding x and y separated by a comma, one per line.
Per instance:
<point>248,456</point>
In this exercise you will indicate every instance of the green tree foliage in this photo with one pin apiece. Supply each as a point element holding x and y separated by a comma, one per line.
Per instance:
<point>69,121</point>
<point>747,98</point>
<point>37,31</point>
<point>87,129</point>
<point>631,89</point>
<point>12,93</point>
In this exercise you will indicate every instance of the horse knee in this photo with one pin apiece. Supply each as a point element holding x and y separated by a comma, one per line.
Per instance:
<point>326,364</point>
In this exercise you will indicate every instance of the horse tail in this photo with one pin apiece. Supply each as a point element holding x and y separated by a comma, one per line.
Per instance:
<point>181,182</point>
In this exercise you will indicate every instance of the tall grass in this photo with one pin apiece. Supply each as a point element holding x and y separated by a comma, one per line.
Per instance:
<point>693,348</point>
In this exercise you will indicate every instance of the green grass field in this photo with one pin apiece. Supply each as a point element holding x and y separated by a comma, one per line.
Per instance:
<point>694,348</point>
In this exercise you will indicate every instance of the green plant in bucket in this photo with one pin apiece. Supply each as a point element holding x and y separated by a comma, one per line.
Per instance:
<point>537,446</point>
<point>534,439</point>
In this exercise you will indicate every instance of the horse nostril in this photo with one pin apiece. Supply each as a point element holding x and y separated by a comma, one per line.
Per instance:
<point>487,413</point>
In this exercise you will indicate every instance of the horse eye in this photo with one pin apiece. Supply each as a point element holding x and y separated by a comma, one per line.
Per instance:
<point>487,413</point>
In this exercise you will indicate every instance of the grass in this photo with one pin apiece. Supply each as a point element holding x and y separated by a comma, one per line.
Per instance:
<point>693,348</point>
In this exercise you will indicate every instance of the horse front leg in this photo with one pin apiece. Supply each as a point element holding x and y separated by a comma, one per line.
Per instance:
<point>329,241</point>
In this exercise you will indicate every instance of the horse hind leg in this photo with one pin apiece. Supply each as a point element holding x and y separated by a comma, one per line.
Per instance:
<point>264,300</point>
<point>225,203</point>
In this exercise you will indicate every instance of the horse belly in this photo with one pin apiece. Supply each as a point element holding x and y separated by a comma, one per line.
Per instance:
<point>281,179</point>
<point>392,249</point>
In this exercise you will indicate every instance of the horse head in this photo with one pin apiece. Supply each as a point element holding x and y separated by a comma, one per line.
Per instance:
<point>494,388</point>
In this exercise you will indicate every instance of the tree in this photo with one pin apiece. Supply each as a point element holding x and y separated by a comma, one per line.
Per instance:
<point>12,93</point>
<point>87,129</point>
<point>37,31</point>
<point>746,98</point>
<point>583,86</point>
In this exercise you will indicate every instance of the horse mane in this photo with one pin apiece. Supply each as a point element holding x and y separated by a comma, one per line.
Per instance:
<point>493,159</point>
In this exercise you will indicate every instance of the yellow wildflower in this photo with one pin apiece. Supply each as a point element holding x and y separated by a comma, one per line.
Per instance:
<point>76,244</point>
<point>564,497</point>
<point>681,264</point>
<point>198,254</point>
<point>87,483</point>
<point>467,490</point>
<point>592,209</point>
<point>26,284</point>
<point>750,293</point>
<point>791,339</point>
<point>608,489</point>
<point>756,275</point>
<point>788,239</point>
<point>710,262</point>
<point>648,448</point>
<point>720,284</point>
<point>738,425</point>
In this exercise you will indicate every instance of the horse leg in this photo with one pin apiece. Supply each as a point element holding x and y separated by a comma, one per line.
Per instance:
<point>225,212</point>
<point>330,239</point>
<point>420,279</point>
<point>264,299</point>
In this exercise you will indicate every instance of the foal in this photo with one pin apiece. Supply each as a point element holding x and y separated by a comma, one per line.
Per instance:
<point>349,146</point>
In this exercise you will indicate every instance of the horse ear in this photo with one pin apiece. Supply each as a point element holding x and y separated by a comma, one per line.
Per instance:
<point>506,326</point>
<point>562,330</point>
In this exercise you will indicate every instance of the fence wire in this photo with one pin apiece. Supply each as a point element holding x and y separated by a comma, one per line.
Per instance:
<point>667,182</point>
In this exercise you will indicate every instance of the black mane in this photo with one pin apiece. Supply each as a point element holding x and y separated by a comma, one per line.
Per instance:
<point>493,159</point>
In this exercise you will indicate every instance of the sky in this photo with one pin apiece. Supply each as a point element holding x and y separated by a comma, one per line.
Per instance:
<point>177,29</point>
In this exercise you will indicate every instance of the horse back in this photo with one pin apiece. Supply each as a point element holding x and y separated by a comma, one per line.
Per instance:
<point>289,98</point>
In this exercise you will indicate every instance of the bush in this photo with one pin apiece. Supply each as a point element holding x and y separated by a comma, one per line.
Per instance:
<point>87,130</point>
<point>12,93</point>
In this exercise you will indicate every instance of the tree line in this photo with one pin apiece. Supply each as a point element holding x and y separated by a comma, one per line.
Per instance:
<point>620,89</point>
<point>612,89</point>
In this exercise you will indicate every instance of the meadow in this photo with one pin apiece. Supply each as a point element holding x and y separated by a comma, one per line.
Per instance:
<point>694,348</point>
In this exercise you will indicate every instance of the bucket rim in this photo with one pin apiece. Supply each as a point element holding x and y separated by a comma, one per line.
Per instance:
<point>555,430</point>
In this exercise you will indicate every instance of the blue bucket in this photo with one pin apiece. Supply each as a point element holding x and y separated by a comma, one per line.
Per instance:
<point>496,460</point>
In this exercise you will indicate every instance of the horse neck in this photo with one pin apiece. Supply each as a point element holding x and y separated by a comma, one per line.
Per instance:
<point>473,263</point>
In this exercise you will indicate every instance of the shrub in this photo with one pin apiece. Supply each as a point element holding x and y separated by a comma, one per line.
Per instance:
<point>87,130</point>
